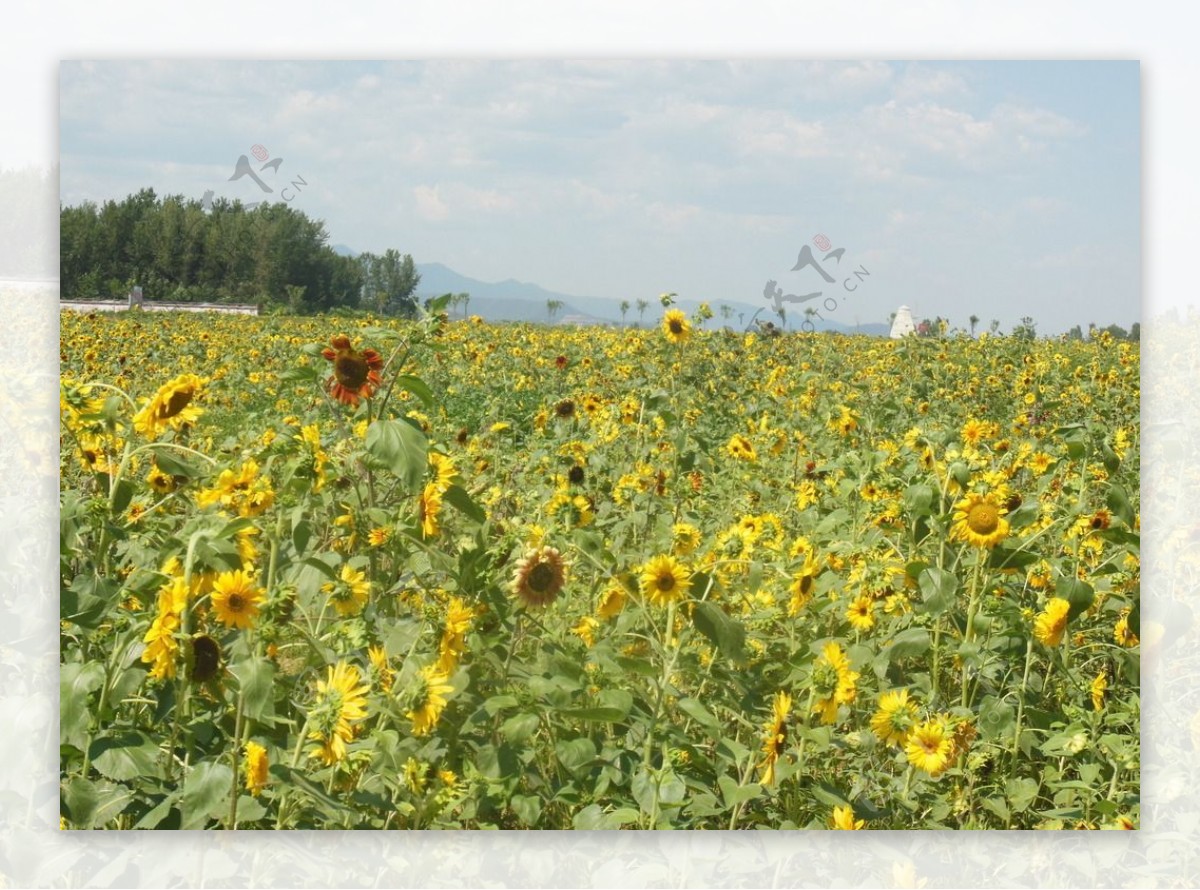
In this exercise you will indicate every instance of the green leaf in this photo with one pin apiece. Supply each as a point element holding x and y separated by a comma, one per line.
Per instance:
<point>1118,502</point>
<point>94,804</point>
<point>401,447</point>
<point>76,683</point>
<point>256,679</point>
<point>173,463</point>
<point>826,794</point>
<point>124,756</point>
<point>87,600</point>
<point>519,727</point>
<point>498,703</point>
<point>205,793</point>
<point>576,753</point>
<point>724,632</point>
<point>919,499</point>
<point>417,387</point>
<point>527,808</point>
<point>909,643</point>
<point>734,794</point>
<point>457,497</point>
<point>700,714</point>
<point>249,809</point>
<point>593,817</point>
<point>594,715</point>
<point>938,589</point>
<point>1004,558</point>
<point>1078,593</point>
<point>1021,793</point>
<point>286,775</point>
<point>301,374</point>
<point>996,718</point>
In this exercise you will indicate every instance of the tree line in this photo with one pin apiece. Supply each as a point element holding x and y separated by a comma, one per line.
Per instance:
<point>178,250</point>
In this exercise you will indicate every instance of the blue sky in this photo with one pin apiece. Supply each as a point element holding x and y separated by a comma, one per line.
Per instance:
<point>999,189</point>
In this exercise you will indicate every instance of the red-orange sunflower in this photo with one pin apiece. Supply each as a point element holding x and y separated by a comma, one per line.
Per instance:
<point>355,373</point>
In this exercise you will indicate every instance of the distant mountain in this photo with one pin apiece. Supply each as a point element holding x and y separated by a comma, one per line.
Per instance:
<point>513,300</point>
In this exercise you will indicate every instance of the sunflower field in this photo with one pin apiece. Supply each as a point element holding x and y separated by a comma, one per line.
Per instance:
<point>354,572</point>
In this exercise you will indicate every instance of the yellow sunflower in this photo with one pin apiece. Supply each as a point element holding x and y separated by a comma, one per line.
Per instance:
<point>170,407</point>
<point>843,820</point>
<point>860,612</point>
<point>834,682</point>
<point>664,580</point>
<point>340,705</point>
<point>257,765</point>
<point>740,448</point>
<point>978,522</point>
<point>539,577</point>
<point>775,735</point>
<point>428,700</point>
<point>929,747</point>
<point>895,718</point>
<point>429,505</point>
<point>612,601</point>
<point>236,599</point>
<point>676,326</point>
<point>1051,624</point>
<point>350,594</point>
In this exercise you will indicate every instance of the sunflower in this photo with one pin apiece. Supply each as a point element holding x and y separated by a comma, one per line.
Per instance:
<point>444,471</point>
<point>775,735</point>
<point>978,522</point>
<point>929,748</point>
<point>676,326</point>
<point>381,671</point>
<point>454,634</point>
<point>350,594</point>
<point>612,601</point>
<point>539,577</point>
<point>895,718</point>
<point>843,820</point>
<point>860,613</point>
<point>834,681</point>
<point>206,658</point>
<point>1051,624</point>
<point>355,374</point>
<point>429,700</point>
<point>1123,634</point>
<point>341,703</point>
<point>429,505</point>
<point>256,768</point>
<point>664,580</point>
<point>685,537</point>
<point>162,648</point>
<point>236,599</point>
<point>803,584</point>
<point>170,407</point>
<point>739,447</point>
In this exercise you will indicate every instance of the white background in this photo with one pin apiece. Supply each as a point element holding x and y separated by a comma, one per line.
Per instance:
<point>1164,853</point>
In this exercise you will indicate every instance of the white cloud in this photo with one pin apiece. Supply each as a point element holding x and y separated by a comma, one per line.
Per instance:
<point>429,204</point>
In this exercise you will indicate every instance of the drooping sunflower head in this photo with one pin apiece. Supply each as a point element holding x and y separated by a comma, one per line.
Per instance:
<point>170,407</point>
<point>1050,626</point>
<point>428,699</point>
<point>355,373</point>
<point>664,580</point>
<point>340,705</point>
<point>775,735</point>
<point>978,522</point>
<point>539,577</point>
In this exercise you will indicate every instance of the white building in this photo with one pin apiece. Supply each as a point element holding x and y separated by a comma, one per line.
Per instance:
<point>902,324</point>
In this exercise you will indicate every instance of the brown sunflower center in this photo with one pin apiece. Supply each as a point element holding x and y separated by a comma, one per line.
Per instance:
<point>676,326</point>
<point>983,518</point>
<point>806,584</point>
<point>541,578</point>
<point>665,582</point>
<point>236,602</point>
<point>350,369</point>
<point>178,401</point>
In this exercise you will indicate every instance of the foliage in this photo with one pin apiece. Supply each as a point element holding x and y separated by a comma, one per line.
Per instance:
<point>533,577</point>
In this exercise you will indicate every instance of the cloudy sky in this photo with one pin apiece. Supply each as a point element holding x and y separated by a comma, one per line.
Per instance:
<point>999,189</point>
